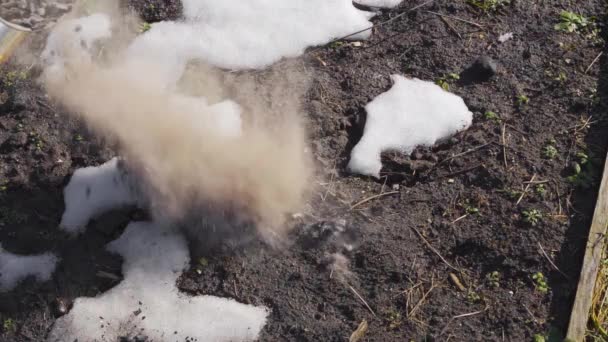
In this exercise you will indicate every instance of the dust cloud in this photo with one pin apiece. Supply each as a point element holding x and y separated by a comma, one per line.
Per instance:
<point>215,141</point>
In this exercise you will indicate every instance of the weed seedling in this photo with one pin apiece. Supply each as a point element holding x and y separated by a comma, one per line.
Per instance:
<point>444,82</point>
<point>473,297</point>
<point>9,325</point>
<point>394,319</point>
<point>144,27</point>
<point>539,338</point>
<point>488,5</point>
<point>549,152</point>
<point>522,100</point>
<point>493,279</point>
<point>540,190</point>
<point>532,216</point>
<point>571,22</point>
<point>492,116</point>
<point>540,282</point>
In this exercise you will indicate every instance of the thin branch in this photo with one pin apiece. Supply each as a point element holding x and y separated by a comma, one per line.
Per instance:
<point>434,250</point>
<point>551,262</point>
<point>363,300</point>
<point>371,198</point>
<point>526,189</point>
<point>594,61</point>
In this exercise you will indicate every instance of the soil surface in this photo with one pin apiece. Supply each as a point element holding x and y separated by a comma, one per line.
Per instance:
<point>493,207</point>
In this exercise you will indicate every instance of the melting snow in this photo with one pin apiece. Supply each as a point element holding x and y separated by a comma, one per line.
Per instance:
<point>411,113</point>
<point>238,34</point>
<point>147,301</point>
<point>14,268</point>
<point>92,191</point>
<point>380,3</point>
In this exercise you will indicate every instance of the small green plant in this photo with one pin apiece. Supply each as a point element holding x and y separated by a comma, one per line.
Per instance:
<point>492,116</point>
<point>522,100</point>
<point>539,338</point>
<point>13,77</point>
<point>561,77</point>
<point>144,27</point>
<point>584,171</point>
<point>473,297</point>
<point>78,137</point>
<point>488,5</point>
<point>9,325</point>
<point>540,282</point>
<point>532,216</point>
<point>540,190</point>
<point>582,157</point>
<point>445,81</point>
<point>394,319</point>
<point>470,210</point>
<point>550,152</point>
<point>493,279</point>
<point>336,44</point>
<point>571,22</point>
<point>511,193</point>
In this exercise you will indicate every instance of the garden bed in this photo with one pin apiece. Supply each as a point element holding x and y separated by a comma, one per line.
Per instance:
<point>478,238</point>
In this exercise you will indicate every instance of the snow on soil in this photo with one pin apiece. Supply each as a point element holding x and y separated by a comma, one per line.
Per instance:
<point>93,191</point>
<point>147,302</point>
<point>380,3</point>
<point>14,268</point>
<point>412,113</point>
<point>236,34</point>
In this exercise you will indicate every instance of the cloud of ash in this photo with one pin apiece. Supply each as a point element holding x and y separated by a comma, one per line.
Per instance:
<point>200,158</point>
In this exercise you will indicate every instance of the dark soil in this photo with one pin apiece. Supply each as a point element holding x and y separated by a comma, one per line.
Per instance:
<point>152,11</point>
<point>454,212</point>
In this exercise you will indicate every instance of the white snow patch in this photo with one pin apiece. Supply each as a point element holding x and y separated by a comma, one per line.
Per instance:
<point>154,257</point>
<point>505,37</point>
<point>380,3</point>
<point>411,113</point>
<point>14,268</point>
<point>236,34</point>
<point>92,191</point>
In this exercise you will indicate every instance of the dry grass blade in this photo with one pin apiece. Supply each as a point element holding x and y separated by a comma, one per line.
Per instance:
<point>371,198</point>
<point>426,294</point>
<point>526,189</point>
<point>551,262</point>
<point>594,61</point>
<point>434,250</point>
<point>362,300</point>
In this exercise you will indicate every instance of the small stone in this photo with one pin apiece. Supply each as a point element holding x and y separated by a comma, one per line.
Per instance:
<point>61,306</point>
<point>481,70</point>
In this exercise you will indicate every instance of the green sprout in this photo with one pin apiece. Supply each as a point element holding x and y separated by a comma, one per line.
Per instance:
<point>488,5</point>
<point>394,319</point>
<point>473,297</point>
<point>9,325</point>
<point>492,116</point>
<point>522,100</point>
<point>444,82</point>
<point>540,190</point>
<point>493,279</point>
<point>144,27</point>
<point>571,22</point>
<point>540,282</point>
<point>549,152</point>
<point>532,216</point>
